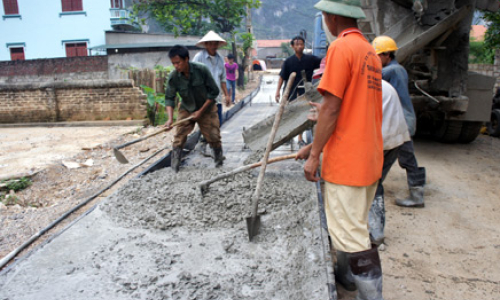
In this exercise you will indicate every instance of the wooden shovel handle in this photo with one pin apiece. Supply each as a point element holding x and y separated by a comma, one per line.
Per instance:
<point>273,160</point>
<point>153,134</point>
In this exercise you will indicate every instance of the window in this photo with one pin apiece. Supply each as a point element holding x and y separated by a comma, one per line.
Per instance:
<point>72,5</point>
<point>16,53</point>
<point>76,49</point>
<point>116,3</point>
<point>10,7</point>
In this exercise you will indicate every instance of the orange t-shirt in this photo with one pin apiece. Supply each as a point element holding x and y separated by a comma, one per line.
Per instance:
<point>353,155</point>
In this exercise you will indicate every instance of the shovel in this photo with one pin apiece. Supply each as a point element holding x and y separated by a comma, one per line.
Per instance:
<point>253,223</point>
<point>122,159</point>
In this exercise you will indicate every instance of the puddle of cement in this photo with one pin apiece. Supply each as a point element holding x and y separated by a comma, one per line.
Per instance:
<point>157,239</point>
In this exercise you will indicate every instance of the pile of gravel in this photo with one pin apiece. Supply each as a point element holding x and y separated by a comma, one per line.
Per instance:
<point>183,245</point>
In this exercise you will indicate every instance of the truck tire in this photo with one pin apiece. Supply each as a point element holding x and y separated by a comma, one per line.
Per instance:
<point>494,124</point>
<point>448,131</point>
<point>470,131</point>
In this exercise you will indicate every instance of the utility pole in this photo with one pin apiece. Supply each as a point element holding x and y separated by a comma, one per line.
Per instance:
<point>249,30</point>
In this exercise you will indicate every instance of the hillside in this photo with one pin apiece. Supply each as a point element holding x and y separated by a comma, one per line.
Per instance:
<point>283,19</point>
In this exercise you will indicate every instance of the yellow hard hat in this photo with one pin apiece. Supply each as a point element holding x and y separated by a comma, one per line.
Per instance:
<point>384,44</point>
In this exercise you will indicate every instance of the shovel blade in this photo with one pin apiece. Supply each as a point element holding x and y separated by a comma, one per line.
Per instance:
<point>253,226</point>
<point>119,156</point>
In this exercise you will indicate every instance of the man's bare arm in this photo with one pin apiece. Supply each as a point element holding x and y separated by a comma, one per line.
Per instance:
<point>327,121</point>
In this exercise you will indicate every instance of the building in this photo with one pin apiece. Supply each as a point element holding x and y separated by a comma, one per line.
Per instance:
<point>477,33</point>
<point>270,48</point>
<point>58,28</point>
<point>134,50</point>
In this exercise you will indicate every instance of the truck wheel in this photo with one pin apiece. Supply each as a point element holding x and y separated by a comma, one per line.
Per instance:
<point>470,131</point>
<point>494,124</point>
<point>448,131</point>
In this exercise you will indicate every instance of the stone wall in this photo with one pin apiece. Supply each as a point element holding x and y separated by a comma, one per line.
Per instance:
<point>490,70</point>
<point>54,69</point>
<point>77,100</point>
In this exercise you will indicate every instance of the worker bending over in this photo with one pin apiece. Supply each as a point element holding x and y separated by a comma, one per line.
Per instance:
<point>397,76</point>
<point>198,90</point>
<point>395,134</point>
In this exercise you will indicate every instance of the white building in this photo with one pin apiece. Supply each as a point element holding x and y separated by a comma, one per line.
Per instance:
<point>32,29</point>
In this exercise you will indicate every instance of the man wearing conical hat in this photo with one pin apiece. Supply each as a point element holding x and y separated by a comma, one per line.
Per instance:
<point>349,135</point>
<point>215,63</point>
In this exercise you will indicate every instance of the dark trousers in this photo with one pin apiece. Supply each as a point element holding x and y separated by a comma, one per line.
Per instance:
<point>390,157</point>
<point>219,113</point>
<point>406,158</point>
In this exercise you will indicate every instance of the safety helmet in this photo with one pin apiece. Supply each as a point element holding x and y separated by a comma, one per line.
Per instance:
<point>346,8</point>
<point>384,44</point>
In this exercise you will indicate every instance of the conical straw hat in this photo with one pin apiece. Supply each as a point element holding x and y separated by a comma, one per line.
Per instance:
<point>211,37</point>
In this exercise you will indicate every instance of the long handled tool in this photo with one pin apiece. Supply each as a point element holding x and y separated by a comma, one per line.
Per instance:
<point>122,159</point>
<point>253,223</point>
<point>203,186</point>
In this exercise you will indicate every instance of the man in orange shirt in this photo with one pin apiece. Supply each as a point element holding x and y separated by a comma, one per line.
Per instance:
<point>349,134</point>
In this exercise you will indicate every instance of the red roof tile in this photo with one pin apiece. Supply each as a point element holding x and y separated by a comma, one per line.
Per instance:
<point>271,43</point>
<point>477,32</point>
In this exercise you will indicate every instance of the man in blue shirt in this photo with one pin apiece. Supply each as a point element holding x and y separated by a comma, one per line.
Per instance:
<point>397,76</point>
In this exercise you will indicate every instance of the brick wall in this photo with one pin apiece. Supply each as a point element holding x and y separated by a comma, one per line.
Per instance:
<point>71,101</point>
<point>54,69</point>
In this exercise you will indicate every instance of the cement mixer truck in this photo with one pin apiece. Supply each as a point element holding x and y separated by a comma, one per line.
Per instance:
<point>433,39</point>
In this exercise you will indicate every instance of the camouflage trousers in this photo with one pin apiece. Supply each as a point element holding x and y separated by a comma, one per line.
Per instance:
<point>208,124</point>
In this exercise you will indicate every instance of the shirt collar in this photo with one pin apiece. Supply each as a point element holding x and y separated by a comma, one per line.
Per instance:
<point>208,55</point>
<point>349,31</point>
<point>393,62</point>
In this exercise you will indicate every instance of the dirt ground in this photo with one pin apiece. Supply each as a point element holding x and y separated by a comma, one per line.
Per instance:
<point>448,250</point>
<point>58,188</point>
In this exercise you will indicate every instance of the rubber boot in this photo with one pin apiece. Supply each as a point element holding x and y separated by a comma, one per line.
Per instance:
<point>218,157</point>
<point>376,220</point>
<point>416,198</point>
<point>343,274</point>
<point>367,274</point>
<point>175,159</point>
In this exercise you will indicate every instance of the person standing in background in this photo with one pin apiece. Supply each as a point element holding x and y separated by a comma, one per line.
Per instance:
<point>215,63</point>
<point>396,75</point>
<point>231,76</point>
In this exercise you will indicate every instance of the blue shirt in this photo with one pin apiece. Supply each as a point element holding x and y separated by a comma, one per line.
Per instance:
<point>397,76</point>
<point>216,66</point>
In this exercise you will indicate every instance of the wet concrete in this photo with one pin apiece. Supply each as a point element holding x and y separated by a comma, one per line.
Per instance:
<point>293,122</point>
<point>158,238</point>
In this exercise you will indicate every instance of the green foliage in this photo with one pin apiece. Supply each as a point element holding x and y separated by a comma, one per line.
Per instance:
<point>155,100</point>
<point>17,184</point>
<point>153,96</point>
<point>287,49</point>
<point>492,36</point>
<point>248,40</point>
<point>480,54</point>
<point>196,17</point>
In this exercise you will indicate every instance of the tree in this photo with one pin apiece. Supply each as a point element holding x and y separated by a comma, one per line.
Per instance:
<point>196,17</point>
<point>492,36</point>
